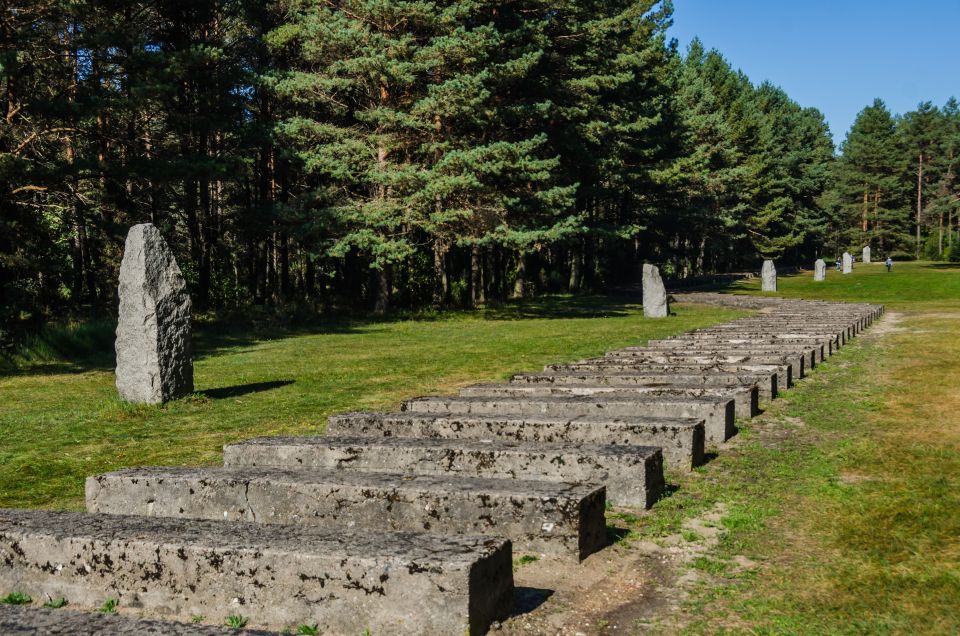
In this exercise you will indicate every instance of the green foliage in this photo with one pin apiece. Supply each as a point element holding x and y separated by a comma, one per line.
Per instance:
<point>109,606</point>
<point>308,630</point>
<point>236,621</point>
<point>56,603</point>
<point>16,598</point>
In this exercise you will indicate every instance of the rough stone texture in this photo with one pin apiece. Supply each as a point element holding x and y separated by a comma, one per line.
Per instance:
<point>154,355</point>
<point>655,303</point>
<point>745,398</point>
<point>817,349</point>
<point>680,439</point>
<point>18,620</point>
<point>768,277</point>
<point>766,383</point>
<point>807,354</point>
<point>278,576</point>
<point>866,254</point>
<point>795,361</point>
<point>819,270</point>
<point>717,413</point>
<point>633,475</point>
<point>554,518</point>
<point>847,263</point>
<point>784,371</point>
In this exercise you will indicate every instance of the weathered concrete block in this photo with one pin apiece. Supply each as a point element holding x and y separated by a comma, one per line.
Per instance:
<point>278,576</point>
<point>795,362</point>
<point>717,413</point>
<point>819,270</point>
<point>818,348</point>
<point>809,354</point>
<point>768,277</point>
<point>633,475</point>
<point>766,383</point>
<point>154,351</point>
<point>17,620</point>
<point>745,398</point>
<point>655,304</point>
<point>680,439</point>
<point>784,372</point>
<point>847,263</point>
<point>555,518</point>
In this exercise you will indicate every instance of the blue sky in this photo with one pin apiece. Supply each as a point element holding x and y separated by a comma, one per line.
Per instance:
<point>836,56</point>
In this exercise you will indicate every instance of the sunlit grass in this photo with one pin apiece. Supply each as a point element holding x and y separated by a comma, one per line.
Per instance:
<point>60,420</point>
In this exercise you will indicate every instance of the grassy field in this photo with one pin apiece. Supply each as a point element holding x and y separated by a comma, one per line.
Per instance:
<point>61,421</point>
<point>841,503</point>
<point>843,499</point>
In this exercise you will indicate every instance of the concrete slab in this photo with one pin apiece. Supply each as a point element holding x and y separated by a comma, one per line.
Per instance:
<point>745,398</point>
<point>766,383</point>
<point>278,576</point>
<point>680,439</point>
<point>553,518</point>
<point>717,413</point>
<point>784,372</point>
<point>633,475</point>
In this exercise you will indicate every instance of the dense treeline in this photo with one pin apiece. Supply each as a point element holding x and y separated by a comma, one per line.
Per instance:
<point>896,186</point>
<point>409,153</point>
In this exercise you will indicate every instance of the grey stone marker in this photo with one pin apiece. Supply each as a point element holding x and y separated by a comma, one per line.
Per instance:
<point>768,276</point>
<point>154,353</point>
<point>655,304</point>
<point>866,254</point>
<point>819,270</point>
<point>847,263</point>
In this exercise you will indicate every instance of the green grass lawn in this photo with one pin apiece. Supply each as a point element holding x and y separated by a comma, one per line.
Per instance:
<point>917,286</point>
<point>62,421</point>
<point>846,493</point>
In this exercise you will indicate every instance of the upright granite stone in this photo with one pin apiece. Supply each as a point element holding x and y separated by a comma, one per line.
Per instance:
<point>819,270</point>
<point>847,263</point>
<point>866,254</point>
<point>768,275</point>
<point>655,304</point>
<point>154,356</point>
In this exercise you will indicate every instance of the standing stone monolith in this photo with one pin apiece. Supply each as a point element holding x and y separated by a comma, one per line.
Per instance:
<point>768,277</point>
<point>655,303</point>
<point>154,351</point>
<point>819,270</point>
<point>866,254</point>
<point>847,263</point>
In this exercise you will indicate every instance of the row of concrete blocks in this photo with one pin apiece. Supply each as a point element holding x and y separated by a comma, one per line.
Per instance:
<point>292,530</point>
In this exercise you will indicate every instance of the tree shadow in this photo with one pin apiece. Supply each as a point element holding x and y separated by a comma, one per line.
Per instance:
<point>553,307</point>
<point>243,389</point>
<point>940,266</point>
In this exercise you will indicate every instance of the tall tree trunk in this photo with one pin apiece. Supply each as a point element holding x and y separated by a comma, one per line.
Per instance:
<point>575,271</point>
<point>382,303</point>
<point>476,281</point>
<point>520,284</point>
<point>919,200</point>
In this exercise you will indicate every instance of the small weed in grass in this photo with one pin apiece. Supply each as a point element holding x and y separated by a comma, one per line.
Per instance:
<point>308,630</point>
<point>56,603</point>
<point>525,559</point>
<point>16,598</point>
<point>197,618</point>
<point>236,621</point>
<point>109,606</point>
<point>690,535</point>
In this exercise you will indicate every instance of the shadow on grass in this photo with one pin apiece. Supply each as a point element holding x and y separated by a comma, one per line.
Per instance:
<point>90,347</point>
<point>243,389</point>
<point>941,266</point>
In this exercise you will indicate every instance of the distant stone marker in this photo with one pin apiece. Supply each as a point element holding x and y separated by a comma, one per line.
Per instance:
<point>819,270</point>
<point>768,276</point>
<point>655,304</point>
<point>847,263</point>
<point>866,254</point>
<point>154,351</point>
